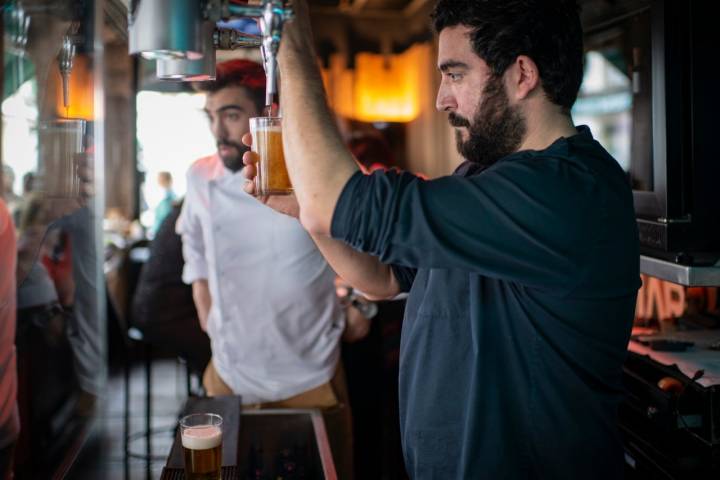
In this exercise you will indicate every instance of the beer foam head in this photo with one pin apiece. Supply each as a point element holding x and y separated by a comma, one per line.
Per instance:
<point>202,437</point>
<point>268,128</point>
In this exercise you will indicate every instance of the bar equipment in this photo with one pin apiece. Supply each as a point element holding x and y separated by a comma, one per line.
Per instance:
<point>176,33</point>
<point>65,63</point>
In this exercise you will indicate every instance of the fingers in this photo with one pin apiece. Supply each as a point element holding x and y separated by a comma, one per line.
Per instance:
<point>250,159</point>
<point>249,187</point>
<point>247,139</point>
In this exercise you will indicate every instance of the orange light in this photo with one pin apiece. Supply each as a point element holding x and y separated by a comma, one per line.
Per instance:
<point>386,88</point>
<point>80,89</point>
<point>380,88</point>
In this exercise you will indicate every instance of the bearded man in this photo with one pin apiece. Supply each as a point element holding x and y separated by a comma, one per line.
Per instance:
<point>522,268</point>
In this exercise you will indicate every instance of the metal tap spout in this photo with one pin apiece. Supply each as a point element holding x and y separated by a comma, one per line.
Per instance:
<point>271,15</point>
<point>65,64</point>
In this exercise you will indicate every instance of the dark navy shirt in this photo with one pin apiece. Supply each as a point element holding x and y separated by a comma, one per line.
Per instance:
<point>522,281</point>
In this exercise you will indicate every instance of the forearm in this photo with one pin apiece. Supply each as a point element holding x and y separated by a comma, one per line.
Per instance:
<point>362,271</point>
<point>203,301</point>
<point>318,162</point>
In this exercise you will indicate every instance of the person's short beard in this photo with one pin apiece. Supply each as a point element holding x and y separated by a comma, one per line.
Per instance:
<point>233,162</point>
<point>497,129</point>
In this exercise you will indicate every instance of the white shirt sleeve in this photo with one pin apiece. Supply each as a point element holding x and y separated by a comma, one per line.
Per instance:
<point>189,227</point>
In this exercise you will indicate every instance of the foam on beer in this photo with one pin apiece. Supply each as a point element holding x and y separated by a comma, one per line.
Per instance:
<point>271,128</point>
<point>201,438</point>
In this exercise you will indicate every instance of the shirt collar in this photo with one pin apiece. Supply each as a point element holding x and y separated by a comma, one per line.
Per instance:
<point>220,172</point>
<point>468,168</point>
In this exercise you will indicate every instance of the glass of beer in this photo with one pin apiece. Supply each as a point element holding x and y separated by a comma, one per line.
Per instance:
<point>272,175</point>
<point>201,435</point>
<point>59,144</point>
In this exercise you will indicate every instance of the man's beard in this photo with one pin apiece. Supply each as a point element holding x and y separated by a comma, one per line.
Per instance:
<point>497,129</point>
<point>232,161</point>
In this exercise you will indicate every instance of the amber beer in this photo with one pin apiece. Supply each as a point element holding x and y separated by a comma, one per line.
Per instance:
<point>272,175</point>
<point>201,436</point>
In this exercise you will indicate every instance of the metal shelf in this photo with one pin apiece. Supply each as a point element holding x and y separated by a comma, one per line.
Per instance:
<point>681,274</point>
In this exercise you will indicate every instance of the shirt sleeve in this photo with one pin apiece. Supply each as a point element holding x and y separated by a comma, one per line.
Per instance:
<point>189,227</point>
<point>405,276</point>
<point>525,220</point>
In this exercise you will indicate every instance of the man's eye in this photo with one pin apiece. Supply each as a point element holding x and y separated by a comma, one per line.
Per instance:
<point>232,116</point>
<point>454,76</point>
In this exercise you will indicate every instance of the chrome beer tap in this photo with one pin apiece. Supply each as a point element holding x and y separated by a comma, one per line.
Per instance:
<point>171,31</point>
<point>271,15</point>
<point>65,64</point>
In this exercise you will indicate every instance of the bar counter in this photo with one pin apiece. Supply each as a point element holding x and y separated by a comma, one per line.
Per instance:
<point>262,444</point>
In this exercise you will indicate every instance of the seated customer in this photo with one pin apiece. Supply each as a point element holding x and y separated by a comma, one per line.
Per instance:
<point>163,307</point>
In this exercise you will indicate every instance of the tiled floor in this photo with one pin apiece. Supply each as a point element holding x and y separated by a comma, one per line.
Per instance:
<point>103,457</point>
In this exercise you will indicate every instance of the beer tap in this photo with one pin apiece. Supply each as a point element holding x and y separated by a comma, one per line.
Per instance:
<point>271,16</point>
<point>229,39</point>
<point>65,64</point>
<point>170,32</point>
<point>18,27</point>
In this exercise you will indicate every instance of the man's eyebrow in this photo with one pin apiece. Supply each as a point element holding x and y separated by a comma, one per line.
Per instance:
<point>225,108</point>
<point>445,66</point>
<point>230,107</point>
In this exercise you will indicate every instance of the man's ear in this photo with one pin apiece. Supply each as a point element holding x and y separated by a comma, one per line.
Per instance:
<point>523,78</point>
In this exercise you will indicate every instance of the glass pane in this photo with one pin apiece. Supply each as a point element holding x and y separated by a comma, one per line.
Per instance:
<point>616,94</point>
<point>51,296</point>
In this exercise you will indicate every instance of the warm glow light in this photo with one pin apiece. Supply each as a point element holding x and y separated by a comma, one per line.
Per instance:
<point>386,88</point>
<point>379,89</point>
<point>81,90</point>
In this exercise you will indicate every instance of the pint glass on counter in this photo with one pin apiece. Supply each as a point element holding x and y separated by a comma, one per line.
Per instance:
<point>272,175</point>
<point>201,435</point>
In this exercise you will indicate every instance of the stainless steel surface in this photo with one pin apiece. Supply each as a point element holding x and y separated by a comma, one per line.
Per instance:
<point>191,70</point>
<point>166,29</point>
<point>65,64</point>
<point>681,274</point>
<point>229,39</point>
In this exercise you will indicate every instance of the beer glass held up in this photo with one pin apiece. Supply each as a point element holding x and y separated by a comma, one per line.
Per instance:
<point>201,435</point>
<point>272,175</point>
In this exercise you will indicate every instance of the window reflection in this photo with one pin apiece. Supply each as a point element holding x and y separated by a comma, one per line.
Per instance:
<point>616,94</point>
<point>47,159</point>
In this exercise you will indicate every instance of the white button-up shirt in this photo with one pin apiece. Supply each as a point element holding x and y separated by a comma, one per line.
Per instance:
<point>275,321</point>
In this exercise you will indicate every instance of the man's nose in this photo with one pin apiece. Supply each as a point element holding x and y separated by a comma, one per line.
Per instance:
<point>445,100</point>
<point>218,129</point>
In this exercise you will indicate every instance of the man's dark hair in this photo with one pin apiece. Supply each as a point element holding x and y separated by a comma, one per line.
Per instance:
<point>241,73</point>
<point>548,31</point>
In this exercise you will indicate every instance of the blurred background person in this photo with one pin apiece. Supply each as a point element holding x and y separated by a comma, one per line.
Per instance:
<point>9,418</point>
<point>163,307</point>
<point>163,208</point>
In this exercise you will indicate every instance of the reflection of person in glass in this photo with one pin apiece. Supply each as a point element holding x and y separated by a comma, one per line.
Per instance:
<point>76,279</point>
<point>520,301</point>
<point>278,343</point>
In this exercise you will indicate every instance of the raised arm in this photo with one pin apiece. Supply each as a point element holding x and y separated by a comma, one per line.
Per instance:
<point>319,164</point>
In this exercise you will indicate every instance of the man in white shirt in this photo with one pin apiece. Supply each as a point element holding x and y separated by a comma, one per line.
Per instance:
<point>277,343</point>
